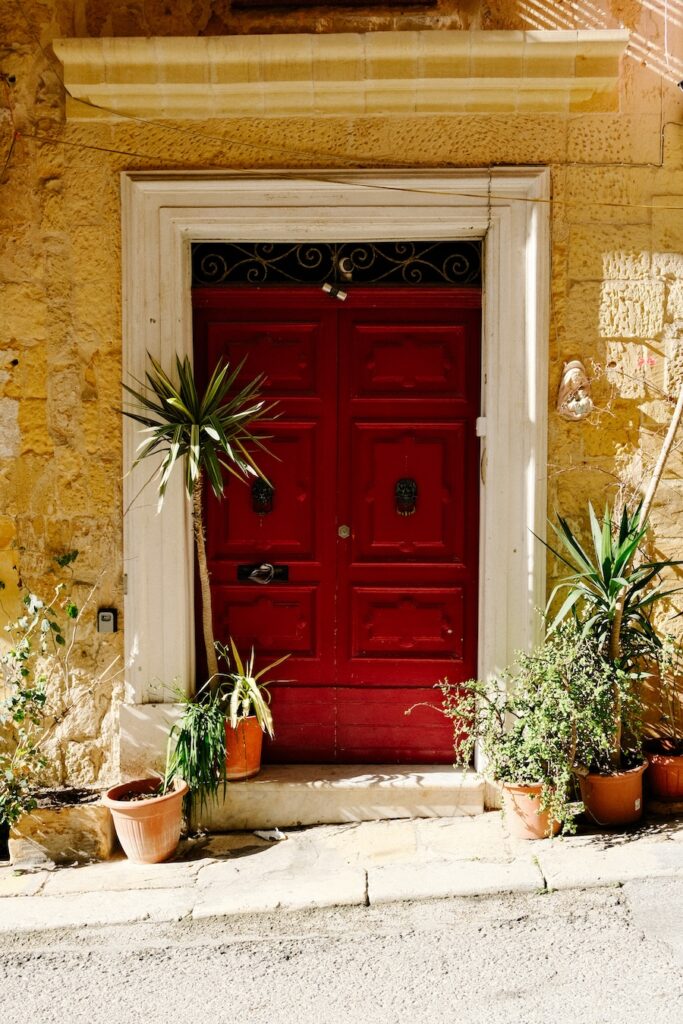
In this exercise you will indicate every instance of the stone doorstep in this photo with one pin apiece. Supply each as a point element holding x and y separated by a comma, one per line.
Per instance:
<point>287,796</point>
<point>282,796</point>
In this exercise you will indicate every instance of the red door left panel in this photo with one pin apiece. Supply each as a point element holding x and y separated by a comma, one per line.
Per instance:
<point>297,353</point>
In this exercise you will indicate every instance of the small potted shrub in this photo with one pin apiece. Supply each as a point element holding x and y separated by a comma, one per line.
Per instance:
<point>531,725</point>
<point>220,733</point>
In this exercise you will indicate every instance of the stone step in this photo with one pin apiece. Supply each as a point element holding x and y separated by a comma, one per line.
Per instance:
<point>289,795</point>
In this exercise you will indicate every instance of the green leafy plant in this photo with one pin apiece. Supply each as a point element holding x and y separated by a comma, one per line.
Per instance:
<point>212,433</point>
<point>539,720</point>
<point>196,747</point>
<point>197,744</point>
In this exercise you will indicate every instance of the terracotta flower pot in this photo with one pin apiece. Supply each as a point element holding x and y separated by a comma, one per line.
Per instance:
<point>615,799</point>
<point>524,816</point>
<point>148,830</point>
<point>243,749</point>
<point>665,777</point>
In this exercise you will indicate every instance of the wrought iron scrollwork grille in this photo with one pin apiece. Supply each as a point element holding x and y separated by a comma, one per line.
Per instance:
<point>317,263</point>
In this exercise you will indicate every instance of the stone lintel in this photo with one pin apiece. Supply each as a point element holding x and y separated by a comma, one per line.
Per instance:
<point>422,72</point>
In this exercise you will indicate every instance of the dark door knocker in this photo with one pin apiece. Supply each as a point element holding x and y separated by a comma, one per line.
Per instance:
<point>405,494</point>
<point>263,573</point>
<point>262,497</point>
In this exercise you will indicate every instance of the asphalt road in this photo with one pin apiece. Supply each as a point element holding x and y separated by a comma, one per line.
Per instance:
<point>602,957</point>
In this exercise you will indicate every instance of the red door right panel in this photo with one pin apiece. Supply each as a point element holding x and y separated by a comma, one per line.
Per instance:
<point>407,575</point>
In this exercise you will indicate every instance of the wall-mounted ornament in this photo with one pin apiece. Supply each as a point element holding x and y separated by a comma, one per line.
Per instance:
<point>574,400</point>
<point>405,495</point>
<point>261,497</point>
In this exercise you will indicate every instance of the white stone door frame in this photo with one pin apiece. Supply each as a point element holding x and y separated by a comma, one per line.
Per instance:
<point>162,214</point>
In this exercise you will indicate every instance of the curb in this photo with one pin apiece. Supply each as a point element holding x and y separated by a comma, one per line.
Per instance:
<point>316,889</point>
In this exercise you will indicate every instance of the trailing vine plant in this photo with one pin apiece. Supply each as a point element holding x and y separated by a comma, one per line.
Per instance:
<point>37,687</point>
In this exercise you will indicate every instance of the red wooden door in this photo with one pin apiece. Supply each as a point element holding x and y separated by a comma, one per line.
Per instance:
<point>373,522</point>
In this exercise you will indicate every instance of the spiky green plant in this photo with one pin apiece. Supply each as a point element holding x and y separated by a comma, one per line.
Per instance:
<point>196,744</point>
<point>212,432</point>
<point>611,595</point>
<point>601,578</point>
<point>242,692</point>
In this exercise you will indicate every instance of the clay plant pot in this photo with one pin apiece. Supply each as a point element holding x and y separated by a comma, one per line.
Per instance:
<point>243,749</point>
<point>148,830</point>
<point>665,776</point>
<point>524,816</point>
<point>615,799</point>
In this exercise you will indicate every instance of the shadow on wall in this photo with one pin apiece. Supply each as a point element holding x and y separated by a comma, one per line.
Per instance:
<point>144,733</point>
<point>656,31</point>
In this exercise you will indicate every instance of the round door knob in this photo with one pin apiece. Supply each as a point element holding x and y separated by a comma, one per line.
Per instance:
<point>344,532</point>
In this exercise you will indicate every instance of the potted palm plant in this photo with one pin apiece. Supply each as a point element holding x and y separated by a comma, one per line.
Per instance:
<point>211,433</point>
<point>611,591</point>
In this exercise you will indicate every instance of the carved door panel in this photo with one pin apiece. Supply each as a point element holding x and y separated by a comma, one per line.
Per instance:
<point>372,520</point>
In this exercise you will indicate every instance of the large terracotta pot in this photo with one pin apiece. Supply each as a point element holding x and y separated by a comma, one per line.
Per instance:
<point>523,814</point>
<point>243,749</point>
<point>665,776</point>
<point>148,830</point>
<point>615,799</point>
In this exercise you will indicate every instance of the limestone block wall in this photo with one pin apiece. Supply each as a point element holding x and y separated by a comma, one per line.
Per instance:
<point>617,266</point>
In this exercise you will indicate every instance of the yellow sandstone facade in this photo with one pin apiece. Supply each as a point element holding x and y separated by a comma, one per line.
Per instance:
<point>614,148</point>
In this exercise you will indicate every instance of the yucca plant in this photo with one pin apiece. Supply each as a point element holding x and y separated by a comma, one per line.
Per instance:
<point>608,577</point>
<point>611,594</point>
<point>212,433</point>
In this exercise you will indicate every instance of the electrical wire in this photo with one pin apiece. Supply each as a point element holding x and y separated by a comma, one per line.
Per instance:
<point>40,137</point>
<point>324,178</point>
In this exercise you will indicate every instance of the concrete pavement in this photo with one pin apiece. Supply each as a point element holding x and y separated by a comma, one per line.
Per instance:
<point>363,863</point>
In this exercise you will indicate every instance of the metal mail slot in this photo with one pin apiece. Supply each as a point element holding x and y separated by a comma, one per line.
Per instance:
<point>253,573</point>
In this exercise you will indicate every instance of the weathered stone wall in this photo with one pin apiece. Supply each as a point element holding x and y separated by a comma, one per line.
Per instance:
<point>617,296</point>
